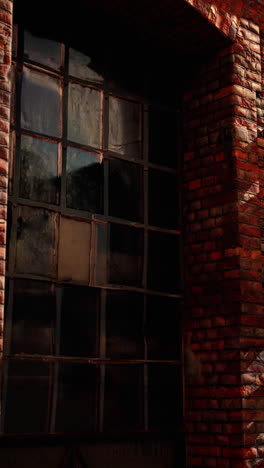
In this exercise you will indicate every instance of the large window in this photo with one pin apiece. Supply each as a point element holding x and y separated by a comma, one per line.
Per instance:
<point>93,316</point>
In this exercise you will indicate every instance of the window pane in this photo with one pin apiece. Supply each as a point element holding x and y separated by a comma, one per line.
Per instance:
<point>74,250</point>
<point>38,170</point>
<point>79,317</point>
<point>42,50</point>
<point>163,137</point>
<point>125,190</point>
<point>40,105</point>
<point>84,115</point>
<point>84,180</point>
<point>163,328</point>
<point>26,405</point>
<point>81,66</point>
<point>124,325</point>
<point>36,241</point>
<point>123,404</point>
<point>33,318</point>
<point>76,406</point>
<point>163,199</point>
<point>124,127</point>
<point>163,262</point>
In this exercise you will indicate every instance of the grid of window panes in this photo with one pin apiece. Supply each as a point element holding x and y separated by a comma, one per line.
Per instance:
<point>93,315</point>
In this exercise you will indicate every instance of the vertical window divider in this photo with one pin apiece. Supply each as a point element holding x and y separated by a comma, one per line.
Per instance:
<point>64,121</point>
<point>102,351</point>
<point>59,293</point>
<point>7,344</point>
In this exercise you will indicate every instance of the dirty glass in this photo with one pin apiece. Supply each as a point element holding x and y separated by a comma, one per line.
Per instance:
<point>79,321</point>
<point>84,180</point>
<point>38,170</point>
<point>81,66</point>
<point>101,257</point>
<point>163,134</point>
<point>124,325</point>
<point>76,405</point>
<point>163,199</point>
<point>74,250</point>
<point>123,402</point>
<point>84,115</point>
<point>40,103</point>
<point>36,242</point>
<point>125,190</point>
<point>163,262</point>
<point>124,127</point>
<point>33,318</point>
<point>43,51</point>
<point>26,405</point>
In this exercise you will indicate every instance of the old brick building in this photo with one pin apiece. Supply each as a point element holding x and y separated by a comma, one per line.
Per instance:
<point>131,191</point>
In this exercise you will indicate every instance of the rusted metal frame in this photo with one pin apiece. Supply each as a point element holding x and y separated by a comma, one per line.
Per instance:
<point>145,150</point>
<point>102,352</point>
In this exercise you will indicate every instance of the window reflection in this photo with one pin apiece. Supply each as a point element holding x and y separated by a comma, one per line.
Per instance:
<point>80,65</point>
<point>124,127</point>
<point>42,50</point>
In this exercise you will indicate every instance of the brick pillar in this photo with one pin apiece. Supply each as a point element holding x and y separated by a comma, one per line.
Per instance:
<point>224,298</point>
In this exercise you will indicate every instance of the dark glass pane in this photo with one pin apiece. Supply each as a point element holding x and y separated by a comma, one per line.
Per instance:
<point>164,397</point>
<point>163,328</point>
<point>33,318</point>
<point>76,406</point>
<point>125,190</point>
<point>163,137</point>
<point>36,241</point>
<point>163,262</point>
<point>81,65</point>
<point>126,252</point>
<point>79,317</point>
<point>101,249</point>
<point>84,180</point>
<point>124,325</point>
<point>124,127</point>
<point>43,51</point>
<point>84,115</point>
<point>123,404</point>
<point>38,170</point>
<point>40,103</point>
<point>163,199</point>
<point>26,405</point>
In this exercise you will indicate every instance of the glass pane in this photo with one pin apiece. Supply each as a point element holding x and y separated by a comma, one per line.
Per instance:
<point>124,127</point>
<point>163,137</point>
<point>163,198</point>
<point>164,397</point>
<point>123,404</point>
<point>125,190</point>
<point>43,51</point>
<point>36,241</point>
<point>33,318</point>
<point>124,325</point>
<point>38,170</point>
<point>74,250</point>
<point>84,180</point>
<point>81,66</point>
<point>40,103</point>
<point>101,249</point>
<point>163,328</point>
<point>76,406</point>
<point>163,262</point>
<point>79,316</point>
<point>26,405</point>
<point>84,115</point>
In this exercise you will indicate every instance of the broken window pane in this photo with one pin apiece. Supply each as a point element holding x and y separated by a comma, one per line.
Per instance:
<point>163,199</point>
<point>81,66</point>
<point>38,170</point>
<point>125,190</point>
<point>79,321</point>
<point>124,127</point>
<point>84,180</point>
<point>76,406</point>
<point>36,241</point>
<point>26,405</point>
<point>163,137</point>
<point>74,250</point>
<point>84,115</point>
<point>124,325</point>
<point>43,51</point>
<point>123,403</point>
<point>163,262</point>
<point>40,103</point>
<point>33,318</point>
